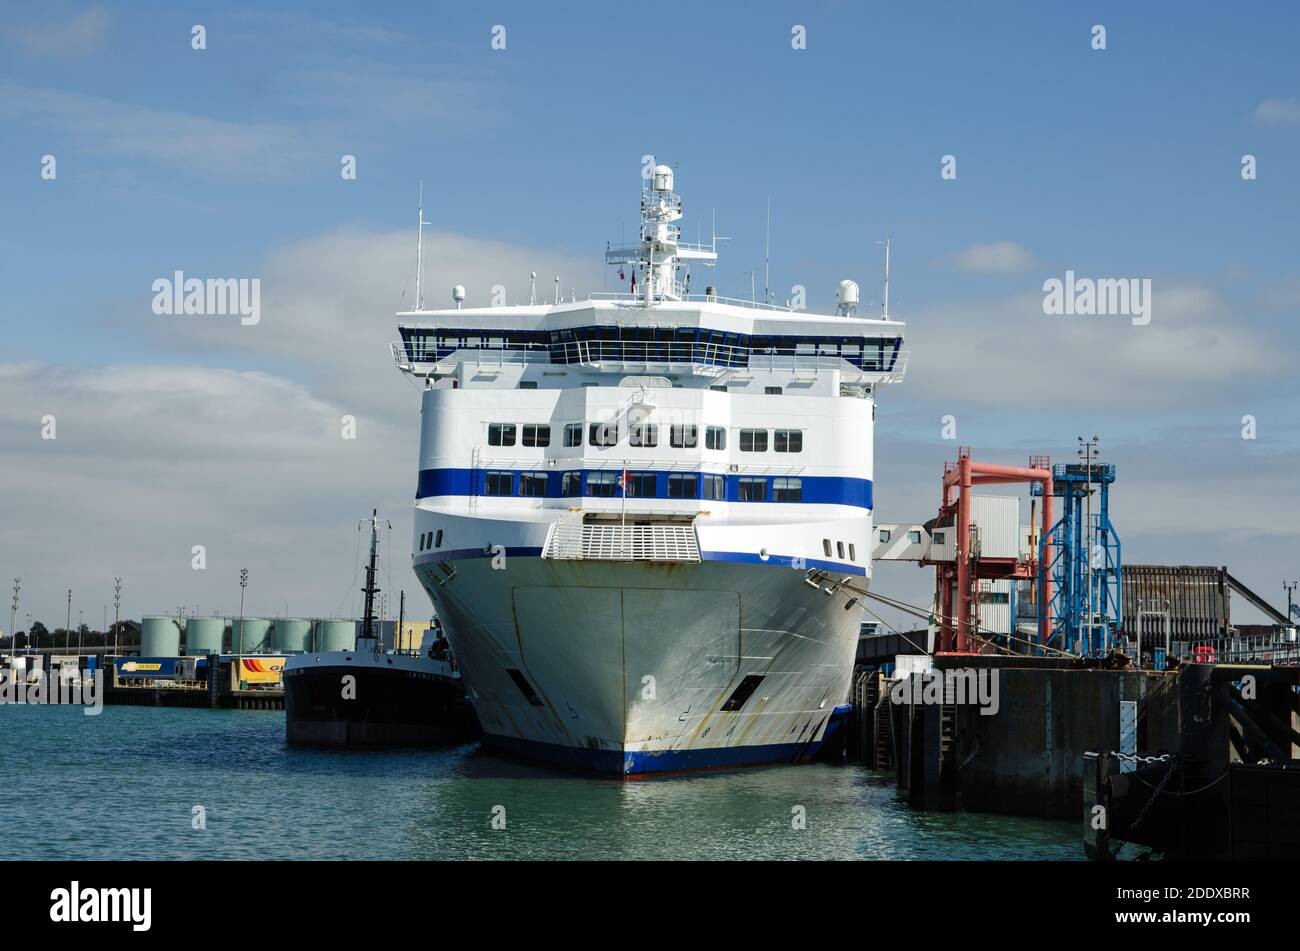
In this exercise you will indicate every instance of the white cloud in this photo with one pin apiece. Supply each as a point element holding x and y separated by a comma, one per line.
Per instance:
<point>328,304</point>
<point>162,136</point>
<point>1198,348</point>
<point>84,33</point>
<point>151,460</point>
<point>1278,112</point>
<point>998,257</point>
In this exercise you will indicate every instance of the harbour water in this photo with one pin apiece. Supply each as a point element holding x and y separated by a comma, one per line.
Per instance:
<point>125,784</point>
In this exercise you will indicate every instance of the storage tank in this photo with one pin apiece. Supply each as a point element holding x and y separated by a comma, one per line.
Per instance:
<point>255,637</point>
<point>291,634</point>
<point>160,637</point>
<point>336,635</point>
<point>203,635</point>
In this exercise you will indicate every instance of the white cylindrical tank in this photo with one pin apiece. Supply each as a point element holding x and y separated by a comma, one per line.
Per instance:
<point>160,636</point>
<point>846,296</point>
<point>203,635</point>
<point>663,178</point>
<point>251,636</point>
<point>334,635</point>
<point>291,635</point>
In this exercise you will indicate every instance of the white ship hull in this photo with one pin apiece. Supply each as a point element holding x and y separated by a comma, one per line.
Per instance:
<point>633,668</point>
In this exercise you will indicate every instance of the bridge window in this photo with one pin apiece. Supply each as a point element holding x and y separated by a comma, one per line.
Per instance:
<point>573,434</point>
<point>715,437</point>
<point>600,485</point>
<point>753,440</point>
<point>684,437</point>
<point>571,484</point>
<point>715,487</point>
<point>682,486</point>
<point>537,435</point>
<point>532,484</point>
<point>643,434</point>
<point>501,434</point>
<point>753,490</point>
<point>499,483</point>
<point>604,434</point>
<point>641,485</point>
<point>787,490</point>
<point>771,391</point>
<point>788,440</point>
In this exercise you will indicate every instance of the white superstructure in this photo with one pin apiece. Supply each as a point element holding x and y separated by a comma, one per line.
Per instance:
<point>635,511</point>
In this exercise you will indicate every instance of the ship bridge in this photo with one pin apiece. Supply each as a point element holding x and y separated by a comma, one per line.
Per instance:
<point>701,336</point>
<point>657,327</point>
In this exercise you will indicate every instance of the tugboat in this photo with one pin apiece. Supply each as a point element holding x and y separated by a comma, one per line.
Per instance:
<point>370,696</point>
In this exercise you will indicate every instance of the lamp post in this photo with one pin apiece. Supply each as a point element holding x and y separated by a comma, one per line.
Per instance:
<point>13,617</point>
<point>243,586</point>
<point>117,609</point>
<point>67,625</point>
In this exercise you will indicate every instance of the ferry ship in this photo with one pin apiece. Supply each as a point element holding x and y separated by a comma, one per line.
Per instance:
<point>637,513</point>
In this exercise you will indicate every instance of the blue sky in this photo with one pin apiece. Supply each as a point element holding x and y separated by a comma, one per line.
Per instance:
<point>1123,162</point>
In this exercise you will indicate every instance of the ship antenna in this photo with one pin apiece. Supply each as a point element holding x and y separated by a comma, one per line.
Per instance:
<point>767,254</point>
<point>419,250</point>
<point>885,315</point>
<point>368,620</point>
<point>532,287</point>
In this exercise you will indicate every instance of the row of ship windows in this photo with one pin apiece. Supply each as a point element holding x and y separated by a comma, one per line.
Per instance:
<point>428,540</point>
<point>646,485</point>
<point>839,549</point>
<point>652,344</point>
<point>645,435</point>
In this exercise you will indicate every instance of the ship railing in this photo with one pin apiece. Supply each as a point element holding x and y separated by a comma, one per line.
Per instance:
<point>573,540</point>
<point>1276,648</point>
<point>628,298</point>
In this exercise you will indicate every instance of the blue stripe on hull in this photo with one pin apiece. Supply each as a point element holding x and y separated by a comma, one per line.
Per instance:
<point>740,557</point>
<point>629,763</point>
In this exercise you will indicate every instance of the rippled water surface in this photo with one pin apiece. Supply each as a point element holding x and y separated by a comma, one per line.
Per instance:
<point>125,784</point>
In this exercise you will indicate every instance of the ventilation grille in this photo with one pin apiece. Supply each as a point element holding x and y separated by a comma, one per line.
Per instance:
<point>575,541</point>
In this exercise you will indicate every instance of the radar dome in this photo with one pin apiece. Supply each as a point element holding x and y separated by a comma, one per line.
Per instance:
<point>663,178</point>
<point>846,297</point>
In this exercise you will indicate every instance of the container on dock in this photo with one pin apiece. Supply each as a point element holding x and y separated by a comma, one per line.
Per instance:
<point>334,635</point>
<point>252,635</point>
<point>160,636</point>
<point>204,635</point>
<point>291,635</point>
